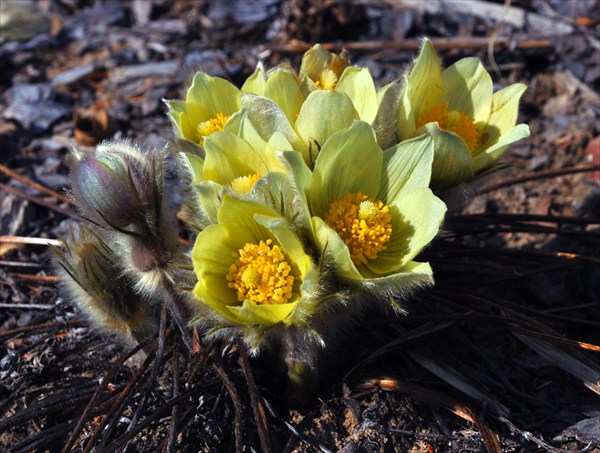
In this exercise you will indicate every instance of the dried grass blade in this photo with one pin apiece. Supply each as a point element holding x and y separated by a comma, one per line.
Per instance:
<point>457,380</point>
<point>589,375</point>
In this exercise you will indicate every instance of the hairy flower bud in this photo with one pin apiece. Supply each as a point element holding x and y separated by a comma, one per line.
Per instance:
<point>104,189</point>
<point>90,273</point>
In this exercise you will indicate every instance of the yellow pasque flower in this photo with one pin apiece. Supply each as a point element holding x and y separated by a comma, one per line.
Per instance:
<point>209,103</point>
<point>324,70</point>
<point>233,165</point>
<point>470,124</point>
<point>372,211</point>
<point>253,271</point>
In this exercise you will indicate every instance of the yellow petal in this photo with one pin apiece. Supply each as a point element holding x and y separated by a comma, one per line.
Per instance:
<point>358,84</point>
<point>425,79</point>
<point>468,87</point>
<point>503,115</point>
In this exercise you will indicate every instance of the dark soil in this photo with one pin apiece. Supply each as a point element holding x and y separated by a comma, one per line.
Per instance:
<point>502,355</point>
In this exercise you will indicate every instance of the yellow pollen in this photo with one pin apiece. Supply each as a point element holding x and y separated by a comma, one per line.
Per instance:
<point>367,210</point>
<point>261,274</point>
<point>242,184</point>
<point>363,224</point>
<point>205,128</point>
<point>452,120</point>
<point>328,80</point>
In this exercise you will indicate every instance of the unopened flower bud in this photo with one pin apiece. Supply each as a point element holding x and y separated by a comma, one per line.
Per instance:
<point>104,189</point>
<point>95,282</point>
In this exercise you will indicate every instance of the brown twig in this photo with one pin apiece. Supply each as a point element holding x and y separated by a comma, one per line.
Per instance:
<point>537,254</point>
<point>30,241</point>
<point>37,278</point>
<point>526,228</point>
<point>19,264</point>
<point>255,400</point>
<point>92,403</point>
<point>413,44</point>
<point>171,439</point>
<point>537,176</point>
<point>119,400</point>
<point>122,441</point>
<point>48,325</point>
<point>35,185</point>
<point>237,406</point>
<point>515,217</point>
<point>36,200</point>
<point>162,334</point>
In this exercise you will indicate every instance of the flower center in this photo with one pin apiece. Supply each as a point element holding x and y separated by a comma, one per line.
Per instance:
<point>205,128</point>
<point>261,274</point>
<point>452,120</point>
<point>328,80</point>
<point>363,224</point>
<point>242,184</point>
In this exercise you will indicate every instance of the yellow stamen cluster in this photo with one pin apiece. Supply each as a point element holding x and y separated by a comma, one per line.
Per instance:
<point>363,224</point>
<point>242,184</point>
<point>333,70</point>
<point>261,274</point>
<point>328,80</point>
<point>205,128</point>
<point>452,120</point>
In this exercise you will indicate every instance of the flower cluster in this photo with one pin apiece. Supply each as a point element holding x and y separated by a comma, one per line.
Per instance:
<point>316,183</point>
<point>314,191</point>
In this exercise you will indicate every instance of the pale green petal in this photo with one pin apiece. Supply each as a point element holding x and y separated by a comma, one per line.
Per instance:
<point>358,84</point>
<point>406,113</point>
<point>209,254</point>
<point>503,116</point>
<point>278,142</point>
<point>213,292</point>
<point>229,156</point>
<point>197,166</point>
<point>426,84</point>
<point>265,314</point>
<point>256,83</point>
<point>468,87</point>
<point>175,105</point>
<point>277,191</point>
<point>209,195</point>
<point>189,147</point>
<point>487,158</point>
<point>388,100</point>
<point>403,283</point>
<point>233,123</point>
<point>406,168</point>
<point>176,108</point>
<point>261,118</point>
<point>314,61</point>
<point>350,161</point>
<point>237,216</point>
<point>189,125</point>
<point>334,250</point>
<point>452,162</point>
<point>212,259</point>
<point>324,113</point>
<point>195,113</point>
<point>216,95</point>
<point>416,220</point>
<point>306,84</point>
<point>301,173</point>
<point>283,89</point>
